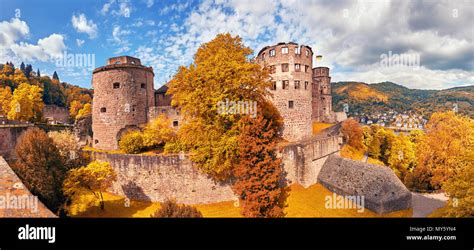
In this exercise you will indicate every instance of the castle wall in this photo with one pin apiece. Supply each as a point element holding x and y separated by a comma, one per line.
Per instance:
<point>297,116</point>
<point>123,94</point>
<point>159,177</point>
<point>55,113</point>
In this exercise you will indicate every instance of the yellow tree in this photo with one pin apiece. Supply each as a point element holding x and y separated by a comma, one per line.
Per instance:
<point>27,103</point>
<point>95,178</point>
<point>402,155</point>
<point>447,147</point>
<point>221,71</point>
<point>84,111</point>
<point>19,77</point>
<point>5,99</point>
<point>74,108</point>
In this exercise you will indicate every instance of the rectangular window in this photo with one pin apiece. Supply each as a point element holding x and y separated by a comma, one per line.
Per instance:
<point>175,123</point>
<point>297,84</point>
<point>297,51</point>
<point>274,85</point>
<point>306,83</point>
<point>290,104</point>
<point>272,52</point>
<point>306,68</point>
<point>285,84</point>
<point>284,50</point>
<point>297,67</point>
<point>284,67</point>
<point>272,69</point>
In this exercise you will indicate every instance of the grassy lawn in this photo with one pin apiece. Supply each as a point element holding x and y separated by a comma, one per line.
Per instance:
<point>301,202</point>
<point>318,126</point>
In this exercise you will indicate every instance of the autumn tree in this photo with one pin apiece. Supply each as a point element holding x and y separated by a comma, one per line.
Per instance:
<point>402,155</point>
<point>40,168</point>
<point>5,100</point>
<point>26,103</point>
<point>259,171</point>
<point>221,71</point>
<point>170,209</point>
<point>84,111</point>
<point>94,178</point>
<point>69,149</point>
<point>460,190</point>
<point>447,147</point>
<point>353,134</point>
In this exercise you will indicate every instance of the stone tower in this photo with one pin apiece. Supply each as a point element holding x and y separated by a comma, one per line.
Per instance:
<point>290,66</point>
<point>322,99</point>
<point>123,95</point>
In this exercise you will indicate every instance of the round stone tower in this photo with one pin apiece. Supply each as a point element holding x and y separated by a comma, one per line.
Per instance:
<point>322,99</point>
<point>290,66</point>
<point>123,94</point>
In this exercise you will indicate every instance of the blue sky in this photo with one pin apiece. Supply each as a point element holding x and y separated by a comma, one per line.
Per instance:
<point>354,37</point>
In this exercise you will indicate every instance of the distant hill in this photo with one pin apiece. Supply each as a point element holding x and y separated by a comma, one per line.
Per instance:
<point>385,96</point>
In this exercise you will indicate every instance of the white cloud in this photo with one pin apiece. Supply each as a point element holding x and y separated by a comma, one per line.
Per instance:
<point>149,3</point>
<point>47,48</point>
<point>79,42</point>
<point>82,25</point>
<point>351,35</point>
<point>117,8</point>
<point>12,31</point>
<point>120,40</point>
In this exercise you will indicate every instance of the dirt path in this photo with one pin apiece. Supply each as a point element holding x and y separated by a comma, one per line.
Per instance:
<point>424,203</point>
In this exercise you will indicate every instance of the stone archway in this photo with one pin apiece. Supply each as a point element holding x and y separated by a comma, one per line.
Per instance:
<point>125,130</point>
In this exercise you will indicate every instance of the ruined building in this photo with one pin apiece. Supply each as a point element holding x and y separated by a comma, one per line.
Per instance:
<point>125,99</point>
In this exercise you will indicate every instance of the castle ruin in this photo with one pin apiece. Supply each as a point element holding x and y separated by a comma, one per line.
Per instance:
<point>125,99</point>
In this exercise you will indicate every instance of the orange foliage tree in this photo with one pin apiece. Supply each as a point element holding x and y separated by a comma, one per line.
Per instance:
<point>259,171</point>
<point>353,133</point>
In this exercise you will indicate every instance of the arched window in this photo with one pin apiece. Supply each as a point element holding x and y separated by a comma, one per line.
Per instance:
<point>116,85</point>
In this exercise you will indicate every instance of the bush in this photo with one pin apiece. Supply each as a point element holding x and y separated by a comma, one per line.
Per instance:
<point>158,132</point>
<point>170,209</point>
<point>132,142</point>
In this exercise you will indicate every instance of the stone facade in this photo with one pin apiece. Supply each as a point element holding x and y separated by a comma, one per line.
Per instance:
<point>123,95</point>
<point>290,66</point>
<point>8,139</point>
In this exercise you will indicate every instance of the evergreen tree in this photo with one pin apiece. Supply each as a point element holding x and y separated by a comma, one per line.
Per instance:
<point>55,76</point>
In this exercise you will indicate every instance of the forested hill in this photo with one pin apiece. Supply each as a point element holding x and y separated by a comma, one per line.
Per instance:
<point>54,91</point>
<point>386,96</point>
